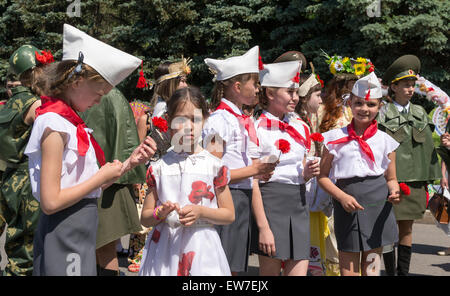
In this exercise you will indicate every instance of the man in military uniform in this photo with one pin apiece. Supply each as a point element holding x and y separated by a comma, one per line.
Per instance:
<point>416,158</point>
<point>18,208</point>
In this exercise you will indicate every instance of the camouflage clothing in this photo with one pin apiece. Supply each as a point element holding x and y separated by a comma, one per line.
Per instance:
<point>18,208</point>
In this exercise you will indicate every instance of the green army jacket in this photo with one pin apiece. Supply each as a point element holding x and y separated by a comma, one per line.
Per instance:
<point>114,128</point>
<point>416,157</point>
<point>443,152</point>
<point>14,133</point>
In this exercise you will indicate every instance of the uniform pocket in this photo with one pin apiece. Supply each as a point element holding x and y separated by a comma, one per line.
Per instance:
<point>419,136</point>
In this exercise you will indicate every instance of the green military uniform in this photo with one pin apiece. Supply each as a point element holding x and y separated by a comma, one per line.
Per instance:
<point>115,130</point>
<point>18,208</point>
<point>416,158</point>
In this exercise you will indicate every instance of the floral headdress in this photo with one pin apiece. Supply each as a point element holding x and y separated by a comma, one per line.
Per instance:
<point>176,69</point>
<point>345,65</point>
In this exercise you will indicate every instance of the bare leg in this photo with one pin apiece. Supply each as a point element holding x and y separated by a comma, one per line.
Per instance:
<point>296,267</point>
<point>349,263</point>
<point>269,266</point>
<point>370,262</point>
<point>107,256</point>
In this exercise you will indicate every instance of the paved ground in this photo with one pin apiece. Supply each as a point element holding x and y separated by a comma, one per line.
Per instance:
<point>427,240</point>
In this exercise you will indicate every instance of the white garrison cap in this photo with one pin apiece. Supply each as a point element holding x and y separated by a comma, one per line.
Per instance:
<point>228,68</point>
<point>111,63</point>
<point>286,74</point>
<point>307,85</point>
<point>368,87</point>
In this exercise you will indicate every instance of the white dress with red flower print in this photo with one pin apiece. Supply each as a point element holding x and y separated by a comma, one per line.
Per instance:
<point>172,249</point>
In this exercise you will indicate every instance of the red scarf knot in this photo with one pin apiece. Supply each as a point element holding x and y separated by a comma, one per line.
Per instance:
<point>244,120</point>
<point>285,127</point>
<point>368,133</point>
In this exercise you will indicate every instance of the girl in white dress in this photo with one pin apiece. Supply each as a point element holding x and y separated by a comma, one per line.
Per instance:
<point>188,195</point>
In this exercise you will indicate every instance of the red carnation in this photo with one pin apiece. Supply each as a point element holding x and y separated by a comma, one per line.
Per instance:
<point>317,137</point>
<point>405,189</point>
<point>45,57</point>
<point>283,145</point>
<point>160,123</point>
<point>371,68</point>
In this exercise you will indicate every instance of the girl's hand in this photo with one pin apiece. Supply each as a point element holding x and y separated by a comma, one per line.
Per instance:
<point>189,214</point>
<point>444,182</point>
<point>110,171</point>
<point>312,169</point>
<point>350,204</point>
<point>264,168</point>
<point>394,197</point>
<point>267,242</point>
<point>143,152</point>
<point>445,140</point>
<point>167,208</point>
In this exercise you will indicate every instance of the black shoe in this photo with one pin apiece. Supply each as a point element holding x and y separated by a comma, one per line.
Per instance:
<point>404,259</point>
<point>389,263</point>
<point>106,272</point>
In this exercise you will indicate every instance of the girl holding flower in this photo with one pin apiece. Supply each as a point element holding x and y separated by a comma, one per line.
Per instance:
<point>279,205</point>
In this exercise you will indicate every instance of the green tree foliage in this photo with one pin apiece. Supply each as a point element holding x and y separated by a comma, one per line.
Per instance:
<point>160,30</point>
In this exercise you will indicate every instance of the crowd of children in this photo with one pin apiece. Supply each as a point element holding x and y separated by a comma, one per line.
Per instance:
<point>277,164</point>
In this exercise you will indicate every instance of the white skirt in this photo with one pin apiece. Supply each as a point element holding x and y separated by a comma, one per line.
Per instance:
<point>195,251</point>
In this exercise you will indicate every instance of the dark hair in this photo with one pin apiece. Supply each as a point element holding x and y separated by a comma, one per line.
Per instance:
<point>391,94</point>
<point>189,94</point>
<point>165,88</point>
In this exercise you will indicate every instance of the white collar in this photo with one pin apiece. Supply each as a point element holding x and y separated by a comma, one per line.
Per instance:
<point>271,116</point>
<point>400,107</point>
<point>232,106</point>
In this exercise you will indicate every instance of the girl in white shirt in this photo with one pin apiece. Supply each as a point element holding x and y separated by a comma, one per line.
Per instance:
<point>279,205</point>
<point>230,135</point>
<point>362,160</point>
<point>63,155</point>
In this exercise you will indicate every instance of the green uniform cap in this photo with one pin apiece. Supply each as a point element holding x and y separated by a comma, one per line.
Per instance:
<point>22,59</point>
<point>407,66</point>
<point>292,56</point>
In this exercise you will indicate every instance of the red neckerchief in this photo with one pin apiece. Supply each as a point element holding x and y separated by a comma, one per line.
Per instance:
<point>244,120</point>
<point>285,127</point>
<point>61,108</point>
<point>368,133</point>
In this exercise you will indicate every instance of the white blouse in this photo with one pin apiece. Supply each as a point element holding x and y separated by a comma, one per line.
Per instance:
<point>350,161</point>
<point>290,168</point>
<point>75,169</point>
<point>237,154</point>
<point>160,108</point>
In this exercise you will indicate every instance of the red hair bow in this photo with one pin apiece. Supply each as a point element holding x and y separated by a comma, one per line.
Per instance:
<point>45,57</point>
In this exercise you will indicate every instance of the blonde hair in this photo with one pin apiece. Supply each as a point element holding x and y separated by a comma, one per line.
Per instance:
<point>220,87</point>
<point>57,78</point>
